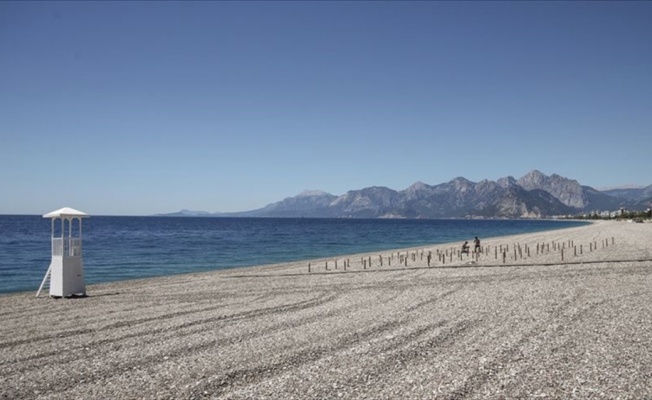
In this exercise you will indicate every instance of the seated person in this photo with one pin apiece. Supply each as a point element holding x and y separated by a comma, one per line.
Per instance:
<point>465,247</point>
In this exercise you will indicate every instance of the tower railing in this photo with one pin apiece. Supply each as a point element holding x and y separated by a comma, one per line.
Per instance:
<point>68,247</point>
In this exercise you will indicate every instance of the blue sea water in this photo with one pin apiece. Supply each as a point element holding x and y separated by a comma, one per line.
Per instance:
<point>119,248</point>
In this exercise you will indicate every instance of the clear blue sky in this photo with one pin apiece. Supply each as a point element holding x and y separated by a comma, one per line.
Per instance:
<point>134,108</point>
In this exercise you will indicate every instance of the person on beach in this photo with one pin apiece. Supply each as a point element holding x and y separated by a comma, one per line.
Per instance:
<point>476,241</point>
<point>465,247</point>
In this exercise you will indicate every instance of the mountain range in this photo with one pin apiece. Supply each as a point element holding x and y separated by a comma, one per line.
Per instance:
<point>535,195</point>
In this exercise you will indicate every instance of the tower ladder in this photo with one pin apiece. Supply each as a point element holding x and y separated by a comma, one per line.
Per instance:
<point>46,278</point>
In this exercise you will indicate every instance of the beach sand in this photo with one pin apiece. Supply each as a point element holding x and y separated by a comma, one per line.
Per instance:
<point>529,327</point>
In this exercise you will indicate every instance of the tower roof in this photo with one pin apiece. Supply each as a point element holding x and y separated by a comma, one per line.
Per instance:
<point>65,212</point>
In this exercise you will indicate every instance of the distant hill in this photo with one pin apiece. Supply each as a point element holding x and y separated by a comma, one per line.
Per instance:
<point>306,204</point>
<point>535,195</point>
<point>635,194</point>
<point>187,213</point>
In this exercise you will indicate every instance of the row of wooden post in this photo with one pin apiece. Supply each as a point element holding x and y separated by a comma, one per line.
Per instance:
<point>518,251</point>
<point>402,259</point>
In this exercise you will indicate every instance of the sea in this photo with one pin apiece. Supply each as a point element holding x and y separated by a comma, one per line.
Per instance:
<point>120,248</point>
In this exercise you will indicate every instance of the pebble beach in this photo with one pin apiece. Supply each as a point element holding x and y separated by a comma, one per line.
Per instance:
<point>558,314</point>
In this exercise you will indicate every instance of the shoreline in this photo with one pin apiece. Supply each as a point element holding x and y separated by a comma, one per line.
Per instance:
<point>532,327</point>
<point>305,261</point>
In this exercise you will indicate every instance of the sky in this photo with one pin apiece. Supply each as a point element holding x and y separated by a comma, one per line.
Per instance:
<point>137,108</point>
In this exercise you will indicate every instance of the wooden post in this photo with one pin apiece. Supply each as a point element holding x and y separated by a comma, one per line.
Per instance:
<point>562,254</point>
<point>308,267</point>
<point>575,251</point>
<point>326,265</point>
<point>504,256</point>
<point>496,251</point>
<point>580,249</point>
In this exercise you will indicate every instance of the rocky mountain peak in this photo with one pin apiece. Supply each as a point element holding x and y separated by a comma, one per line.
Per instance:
<point>313,193</point>
<point>418,185</point>
<point>506,182</point>
<point>568,191</point>
<point>461,183</point>
<point>533,178</point>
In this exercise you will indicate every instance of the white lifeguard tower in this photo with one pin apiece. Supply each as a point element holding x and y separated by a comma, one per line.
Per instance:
<point>66,271</point>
